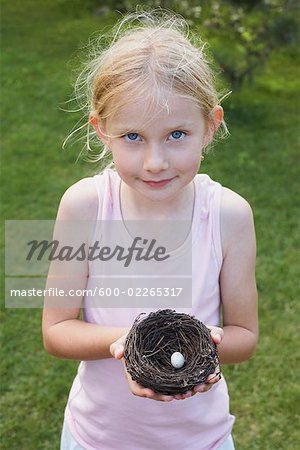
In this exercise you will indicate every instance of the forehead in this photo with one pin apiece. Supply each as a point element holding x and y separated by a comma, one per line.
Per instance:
<point>167,109</point>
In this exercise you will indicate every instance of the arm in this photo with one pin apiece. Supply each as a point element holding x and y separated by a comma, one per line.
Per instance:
<point>64,334</point>
<point>237,280</point>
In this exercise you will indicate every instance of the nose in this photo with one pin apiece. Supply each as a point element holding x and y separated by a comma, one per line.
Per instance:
<point>155,159</point>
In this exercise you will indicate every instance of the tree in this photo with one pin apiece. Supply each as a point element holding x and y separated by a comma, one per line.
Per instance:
<point>245,33</point>
<point>242,33</point>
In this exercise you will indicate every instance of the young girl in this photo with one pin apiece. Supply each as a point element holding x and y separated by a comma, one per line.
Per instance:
<point>155,109</point>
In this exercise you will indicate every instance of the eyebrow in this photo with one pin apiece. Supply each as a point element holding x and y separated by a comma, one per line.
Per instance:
<point>122,128</point>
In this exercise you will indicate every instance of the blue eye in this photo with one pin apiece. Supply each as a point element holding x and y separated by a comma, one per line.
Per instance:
<point>177,135</point>
<point>132,136</point>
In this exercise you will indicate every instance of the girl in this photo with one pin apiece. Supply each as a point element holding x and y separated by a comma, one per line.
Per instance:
<point>155,109</point>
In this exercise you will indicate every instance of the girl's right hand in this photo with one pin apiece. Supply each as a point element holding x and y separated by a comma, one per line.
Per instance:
<point>117,351</point>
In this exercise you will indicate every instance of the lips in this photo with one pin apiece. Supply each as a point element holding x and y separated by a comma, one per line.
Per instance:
<point>158,184</point>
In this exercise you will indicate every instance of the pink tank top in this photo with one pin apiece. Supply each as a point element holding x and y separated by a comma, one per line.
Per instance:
<point>102,413</point>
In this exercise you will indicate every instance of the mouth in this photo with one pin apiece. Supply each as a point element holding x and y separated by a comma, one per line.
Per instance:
<point>158,184</point>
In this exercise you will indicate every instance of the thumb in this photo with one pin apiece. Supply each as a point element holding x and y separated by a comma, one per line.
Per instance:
<point>216,333</point>
<point>117,349</point>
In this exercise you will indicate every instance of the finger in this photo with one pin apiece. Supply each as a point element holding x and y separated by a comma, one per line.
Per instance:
<point>166,398</point>
<point>141,391</point>
<point>184,396</point>
<point>214,378</point>
<point>149,393</point>
<point>179,397</point>
<point>202,388</point>
<point>160,397</point>
<point>137,389</point>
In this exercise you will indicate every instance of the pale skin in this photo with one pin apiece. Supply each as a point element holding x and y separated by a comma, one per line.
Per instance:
<point>157,151</point>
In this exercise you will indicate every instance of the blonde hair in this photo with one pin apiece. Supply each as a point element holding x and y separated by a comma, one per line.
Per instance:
<point>149,52</point>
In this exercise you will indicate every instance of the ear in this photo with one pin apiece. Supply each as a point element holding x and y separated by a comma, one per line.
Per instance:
<point>216,117</point>
<point>99,127</point>
<point>214,121</point>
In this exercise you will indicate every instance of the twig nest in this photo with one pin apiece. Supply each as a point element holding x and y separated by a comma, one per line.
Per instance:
<point>170,352</point>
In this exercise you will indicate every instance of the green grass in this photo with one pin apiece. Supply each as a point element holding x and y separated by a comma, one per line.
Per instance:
<point>259,160</point>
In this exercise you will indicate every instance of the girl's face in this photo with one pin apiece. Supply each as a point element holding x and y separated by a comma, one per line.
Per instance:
<point>158,156</point>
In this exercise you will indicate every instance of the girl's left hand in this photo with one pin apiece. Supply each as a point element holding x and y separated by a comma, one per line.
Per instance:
<point>217,335</point>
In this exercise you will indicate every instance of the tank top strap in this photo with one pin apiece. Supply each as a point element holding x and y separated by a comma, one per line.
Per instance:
<point>208,195</point>
<point>108,187</point>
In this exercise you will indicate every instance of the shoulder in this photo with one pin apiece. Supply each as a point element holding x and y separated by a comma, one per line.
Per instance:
<point>236,219</point>
<point>234,206</point>
<point>80,201</point>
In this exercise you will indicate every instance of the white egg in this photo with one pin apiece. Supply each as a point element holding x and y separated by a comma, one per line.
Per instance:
<point>177,360</point>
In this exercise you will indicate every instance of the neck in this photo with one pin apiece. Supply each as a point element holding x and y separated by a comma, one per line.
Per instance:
<point>138,211</point>
<point>134,206</point>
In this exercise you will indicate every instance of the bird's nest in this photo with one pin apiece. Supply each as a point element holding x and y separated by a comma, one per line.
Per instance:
<point>153,339</point>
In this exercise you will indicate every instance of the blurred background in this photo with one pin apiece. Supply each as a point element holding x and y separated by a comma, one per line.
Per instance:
<point>255,48</point>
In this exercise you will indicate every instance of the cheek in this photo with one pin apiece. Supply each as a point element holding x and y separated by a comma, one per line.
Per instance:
<point>117,153</point>
<point>123,162</point>
<point>189,159</point>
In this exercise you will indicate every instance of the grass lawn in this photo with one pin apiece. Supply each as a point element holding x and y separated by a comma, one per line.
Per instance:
<point>259,160</point>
